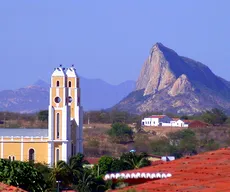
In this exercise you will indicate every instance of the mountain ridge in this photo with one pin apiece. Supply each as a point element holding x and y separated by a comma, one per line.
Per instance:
<point>96,95</point>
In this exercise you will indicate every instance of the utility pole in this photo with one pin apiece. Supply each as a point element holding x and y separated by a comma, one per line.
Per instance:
<point>98,170</point>
<point>58,183</point>
<point>5,120</point>
<point>88,118</point>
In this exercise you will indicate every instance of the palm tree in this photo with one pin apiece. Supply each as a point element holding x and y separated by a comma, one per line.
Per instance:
<point>60,173</point>
<point>69,172</point>
<point>75,167</point>
<point>135,161</point>
<point>88,183</point>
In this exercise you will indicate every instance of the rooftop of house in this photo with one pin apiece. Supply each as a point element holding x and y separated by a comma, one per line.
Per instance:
<point>205,172</point>
<point>157,116</point>
<point>7,188</point>
<point>25,132</point>
<point>92,160</point>
<point>176,119</point>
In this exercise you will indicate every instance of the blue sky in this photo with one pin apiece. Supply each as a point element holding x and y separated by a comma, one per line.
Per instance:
<point>107,39</point>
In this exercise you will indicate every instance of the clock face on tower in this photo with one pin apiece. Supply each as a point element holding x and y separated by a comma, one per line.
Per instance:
<point>57,99</point>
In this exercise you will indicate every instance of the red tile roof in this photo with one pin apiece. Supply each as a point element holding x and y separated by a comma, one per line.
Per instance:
<point>176,119</point>
<point>188,121</point>
<point>204,172</point>
<point>198,124</point>
<point>157,116</point>
<point>5,188</point>
<point>92,160</point>
<point>158,162</point>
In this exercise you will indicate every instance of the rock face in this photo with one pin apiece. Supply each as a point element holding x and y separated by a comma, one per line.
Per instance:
<point>155,74</point>
<point>181,86</point>
<point>172,83</point>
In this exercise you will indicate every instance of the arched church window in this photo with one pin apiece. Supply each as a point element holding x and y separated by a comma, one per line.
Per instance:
<point>57,155</point>
<point>72,149</point>
<point>77,82</point>
<point>58,125</point>
<point>10,158</point>
<point>69,83</point>
<point>58,83</point>
<point>31,155</point>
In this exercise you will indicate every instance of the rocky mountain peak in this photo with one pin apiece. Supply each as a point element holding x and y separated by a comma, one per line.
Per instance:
<point>172,83</point>
<point>159,47</point>
<point>155,74</point>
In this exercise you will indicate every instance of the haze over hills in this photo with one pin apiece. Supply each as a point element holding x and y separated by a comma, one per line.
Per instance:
<point>172,83</point>
<point>96,95</point>
<point>167,83</point>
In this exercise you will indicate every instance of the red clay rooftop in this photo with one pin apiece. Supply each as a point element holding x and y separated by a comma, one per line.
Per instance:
<point>207,172</point>
<point>157,116</point>
<point>5,188</point>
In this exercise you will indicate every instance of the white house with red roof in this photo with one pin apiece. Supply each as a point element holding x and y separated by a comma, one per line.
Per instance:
<point>164,121</point>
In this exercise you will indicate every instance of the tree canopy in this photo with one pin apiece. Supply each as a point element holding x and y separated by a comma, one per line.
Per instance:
<point>214,117</point>
<point>183,142</point>
<point>120,133</point>
<point>43,115</point>
<point>22,174</point>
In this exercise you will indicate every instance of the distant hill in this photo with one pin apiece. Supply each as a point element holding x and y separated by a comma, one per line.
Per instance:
<point>172,83</point>
<point>96,95</point>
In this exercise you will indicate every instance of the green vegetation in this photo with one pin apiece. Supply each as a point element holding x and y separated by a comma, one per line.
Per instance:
<point>111,145</point>
<point>23,175</point>
<point>127,161</point>
<point>214,117</point>
<point>178,144</point>
<point>120,133</point>
<point>43,115</point>
<point>134,161</point>
<point>37,177</point>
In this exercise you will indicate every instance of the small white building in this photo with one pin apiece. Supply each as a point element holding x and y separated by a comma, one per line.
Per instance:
<point>163,120</point>
<point>156,120</point>
<point>178,123</point>
<point>168,158</point>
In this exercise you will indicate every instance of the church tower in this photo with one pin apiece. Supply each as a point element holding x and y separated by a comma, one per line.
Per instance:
<point>76,110</point>
<point>65,116</point>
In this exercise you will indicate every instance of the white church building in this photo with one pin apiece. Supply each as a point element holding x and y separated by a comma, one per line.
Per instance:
<point>164,121</point>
